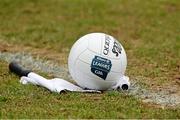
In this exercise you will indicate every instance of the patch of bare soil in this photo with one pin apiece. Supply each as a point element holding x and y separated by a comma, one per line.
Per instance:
<point>59,57</point>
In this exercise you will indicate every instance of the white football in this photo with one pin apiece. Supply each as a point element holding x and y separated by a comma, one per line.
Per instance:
<point>97,61</point>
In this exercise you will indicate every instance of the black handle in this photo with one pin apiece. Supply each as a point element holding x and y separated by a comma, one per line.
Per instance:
<point>17,69</point>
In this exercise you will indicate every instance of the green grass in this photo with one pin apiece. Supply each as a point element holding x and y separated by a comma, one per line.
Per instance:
<point>19,101</point>
<point>148,29</point>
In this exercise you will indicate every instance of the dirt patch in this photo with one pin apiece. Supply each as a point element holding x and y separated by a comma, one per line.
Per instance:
<point>171,7</point>
<point>59,57</point>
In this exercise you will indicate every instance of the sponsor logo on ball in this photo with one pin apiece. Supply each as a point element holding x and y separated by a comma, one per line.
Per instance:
<point>106,45</point>
<point>116,48</point>
<point>101,66</point>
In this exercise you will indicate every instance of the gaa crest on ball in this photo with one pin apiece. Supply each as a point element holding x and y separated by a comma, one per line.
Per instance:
<point>101,66</point>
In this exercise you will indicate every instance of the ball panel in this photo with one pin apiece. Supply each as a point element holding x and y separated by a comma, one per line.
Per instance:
<point>95,42</point>
<point>113,77</point>
<point>87,56</point>
<point>78,48</point>
<point>123,59</point>
<point>90,83</point>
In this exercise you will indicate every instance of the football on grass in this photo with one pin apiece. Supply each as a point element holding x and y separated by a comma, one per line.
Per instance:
<point>97,61</point>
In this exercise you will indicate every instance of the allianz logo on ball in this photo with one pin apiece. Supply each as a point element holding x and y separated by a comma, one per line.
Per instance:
<point>101,66</point>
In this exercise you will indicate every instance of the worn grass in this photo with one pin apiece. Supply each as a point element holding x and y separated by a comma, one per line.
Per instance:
<point>19,101</point>
<point>148,29</point>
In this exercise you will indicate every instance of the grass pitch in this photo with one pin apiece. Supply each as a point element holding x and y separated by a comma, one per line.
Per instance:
<point>148,30</point>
